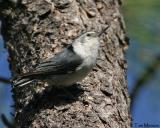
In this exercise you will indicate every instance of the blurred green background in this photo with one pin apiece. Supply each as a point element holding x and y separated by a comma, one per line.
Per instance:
<point>142,20</point>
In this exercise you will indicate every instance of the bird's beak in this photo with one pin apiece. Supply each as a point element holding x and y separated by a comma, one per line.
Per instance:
<point>103,31</point>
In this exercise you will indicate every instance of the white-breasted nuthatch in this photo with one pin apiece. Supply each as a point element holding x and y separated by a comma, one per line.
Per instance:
<point>69,66</point>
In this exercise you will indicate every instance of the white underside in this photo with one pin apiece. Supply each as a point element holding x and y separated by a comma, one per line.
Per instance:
<point>69,79</point>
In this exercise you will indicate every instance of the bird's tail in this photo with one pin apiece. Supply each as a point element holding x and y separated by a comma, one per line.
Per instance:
<point>20,82</point>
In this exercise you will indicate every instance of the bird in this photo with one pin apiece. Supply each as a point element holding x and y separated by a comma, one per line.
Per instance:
<point>69,66</point>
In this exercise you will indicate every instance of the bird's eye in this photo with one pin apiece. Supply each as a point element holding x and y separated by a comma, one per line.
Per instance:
<point>89,34</point>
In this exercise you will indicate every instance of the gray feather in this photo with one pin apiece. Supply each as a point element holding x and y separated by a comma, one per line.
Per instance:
<point>63,63</point>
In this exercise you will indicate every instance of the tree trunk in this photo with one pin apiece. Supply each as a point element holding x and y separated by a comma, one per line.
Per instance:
<point>37,30</point>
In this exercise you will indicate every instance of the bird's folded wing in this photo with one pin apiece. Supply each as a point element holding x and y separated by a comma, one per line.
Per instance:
<point>62,63</point>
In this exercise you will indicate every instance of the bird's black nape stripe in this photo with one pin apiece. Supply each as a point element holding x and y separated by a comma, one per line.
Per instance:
<point>70,47</point>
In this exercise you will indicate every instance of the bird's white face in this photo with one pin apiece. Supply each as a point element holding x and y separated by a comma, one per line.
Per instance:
<point>90,38</point>
<point>87,44</point>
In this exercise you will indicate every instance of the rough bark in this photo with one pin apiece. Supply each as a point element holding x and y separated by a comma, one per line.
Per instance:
<point>37,30</point>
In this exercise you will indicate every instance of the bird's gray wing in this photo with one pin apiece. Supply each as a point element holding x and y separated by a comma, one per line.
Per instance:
<point>63,63</point>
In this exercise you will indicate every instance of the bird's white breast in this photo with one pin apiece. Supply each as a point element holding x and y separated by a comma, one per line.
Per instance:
<point>69,79</point>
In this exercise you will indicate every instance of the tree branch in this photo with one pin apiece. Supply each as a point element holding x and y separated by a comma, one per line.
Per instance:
<point>149,72</point>
<point>6,122</point>
<point>4,80</point>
